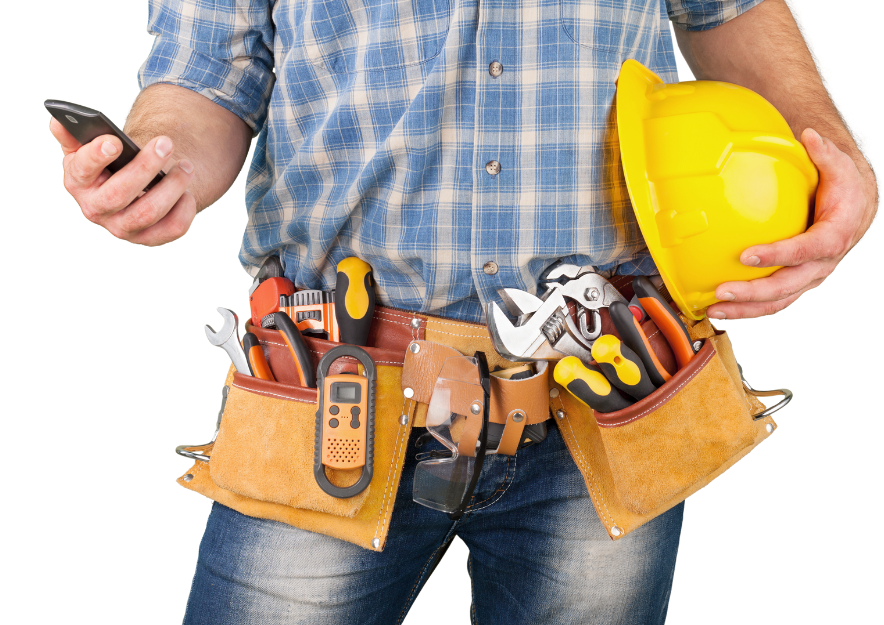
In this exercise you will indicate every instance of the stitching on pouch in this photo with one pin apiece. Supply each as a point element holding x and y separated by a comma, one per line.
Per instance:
<point>662,401</point>
<point>502,492</point>
<point>393,460</point>
<point>248,390</point>
<point>383,313</point>
<point>585,465</point>
<point>395,363</point>
<point>467,336</point>
<point>199,467</point>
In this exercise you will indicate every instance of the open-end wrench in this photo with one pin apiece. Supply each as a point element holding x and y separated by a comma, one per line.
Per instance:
<point>228,338</point>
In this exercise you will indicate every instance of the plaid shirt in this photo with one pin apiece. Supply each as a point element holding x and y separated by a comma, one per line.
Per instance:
<point>384,132</point>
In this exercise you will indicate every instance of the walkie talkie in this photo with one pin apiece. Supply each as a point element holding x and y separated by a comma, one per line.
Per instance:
<point>345,421</point>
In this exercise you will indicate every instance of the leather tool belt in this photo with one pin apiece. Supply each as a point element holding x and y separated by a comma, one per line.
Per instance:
<point>637,463</point>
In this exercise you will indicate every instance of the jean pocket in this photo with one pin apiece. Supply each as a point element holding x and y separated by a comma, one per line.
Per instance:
<point>352,36</point>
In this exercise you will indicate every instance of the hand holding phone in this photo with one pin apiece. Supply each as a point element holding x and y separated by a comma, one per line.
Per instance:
<point>118,186</point>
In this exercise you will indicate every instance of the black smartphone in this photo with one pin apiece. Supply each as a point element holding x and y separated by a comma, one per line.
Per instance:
<point>86,124</point>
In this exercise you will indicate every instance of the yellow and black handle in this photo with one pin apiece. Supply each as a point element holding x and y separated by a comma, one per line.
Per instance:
<point>354,300</point>
<point>634,338</point>
<point>622,367</point>
<point>589,385</point>
<point>666,319</point>
<point>255,356</point>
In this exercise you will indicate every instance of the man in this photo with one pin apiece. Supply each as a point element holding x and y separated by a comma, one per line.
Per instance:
<point>458,148</point>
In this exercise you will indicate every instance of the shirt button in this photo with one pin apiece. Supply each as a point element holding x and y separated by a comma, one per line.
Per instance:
<point>490,268</point>
<point>495,69</point>
<point>492,167</point>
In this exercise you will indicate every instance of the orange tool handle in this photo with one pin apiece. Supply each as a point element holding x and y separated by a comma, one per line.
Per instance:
<point>255,356</point>
<point>265,299</point>
<point>666,319</point>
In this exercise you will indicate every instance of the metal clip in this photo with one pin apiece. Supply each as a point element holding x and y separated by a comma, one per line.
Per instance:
<point>182,450</point>
<point>786,394</point>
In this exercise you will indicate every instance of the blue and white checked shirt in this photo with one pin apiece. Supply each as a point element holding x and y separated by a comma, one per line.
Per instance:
<point>376,120</point>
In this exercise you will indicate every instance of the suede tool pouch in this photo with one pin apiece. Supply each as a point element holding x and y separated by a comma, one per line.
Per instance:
<point>261,462</point>
<point>645,459</point>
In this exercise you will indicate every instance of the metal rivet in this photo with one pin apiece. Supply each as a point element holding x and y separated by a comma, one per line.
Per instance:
<point>408,392</point>
<point>476,408</point>
<point>592,294</point>
<point>769,428</point>
<point>560,414</point>
<point>415,323</point>
<point>490,268</point>
<point>553,392</point>
<point>616,531</point>
<point>188,477</point>
<point>518,417</point>
<point>495,69</point>
<point>492,167</point>
<point>376,543</point>
<point>414,348</point>
<point>698,345</point>
<point>403,420</point>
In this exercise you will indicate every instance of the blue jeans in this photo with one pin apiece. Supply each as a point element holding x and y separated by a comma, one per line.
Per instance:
<point>538,554</point>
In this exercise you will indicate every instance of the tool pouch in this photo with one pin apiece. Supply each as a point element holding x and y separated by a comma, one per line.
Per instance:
<point>261,461</point>
<point>643,460</point>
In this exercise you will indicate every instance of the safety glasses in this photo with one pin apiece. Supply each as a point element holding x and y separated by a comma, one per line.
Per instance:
<point>457,417</point>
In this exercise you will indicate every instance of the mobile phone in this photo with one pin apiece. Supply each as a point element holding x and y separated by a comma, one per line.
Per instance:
<point>86,124</point>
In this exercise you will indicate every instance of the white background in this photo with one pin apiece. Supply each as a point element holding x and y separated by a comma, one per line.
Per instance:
<point>107,369</point>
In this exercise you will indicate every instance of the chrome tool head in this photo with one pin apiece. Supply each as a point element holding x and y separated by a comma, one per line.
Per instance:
<point>230,328</point>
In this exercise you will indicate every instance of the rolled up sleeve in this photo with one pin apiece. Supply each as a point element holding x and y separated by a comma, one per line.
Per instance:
<point>222,49</point>
<point>706,14</point>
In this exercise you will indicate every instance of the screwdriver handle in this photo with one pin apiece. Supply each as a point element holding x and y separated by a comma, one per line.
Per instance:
<point>292,337</point>
<point>622,367</point>
<point>255,356</point>
<point>354,300</point>
<point>634,338</point>
<point>589,385</point>
<point>666,319</point>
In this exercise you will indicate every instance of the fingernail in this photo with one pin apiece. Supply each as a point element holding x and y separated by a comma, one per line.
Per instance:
<point>108,148</point>
<point>727,297</point>
<point>752,261</point>
<point>186,165</point>
<point>718,315</point>
<point>164,147</point>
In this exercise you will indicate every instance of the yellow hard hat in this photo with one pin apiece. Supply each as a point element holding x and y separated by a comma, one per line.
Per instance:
<point>712,169</point>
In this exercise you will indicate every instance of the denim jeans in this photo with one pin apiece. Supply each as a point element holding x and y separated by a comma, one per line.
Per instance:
<point>538,554</point>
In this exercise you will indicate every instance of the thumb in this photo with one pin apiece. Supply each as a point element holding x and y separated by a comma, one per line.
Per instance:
<point>827,157</point>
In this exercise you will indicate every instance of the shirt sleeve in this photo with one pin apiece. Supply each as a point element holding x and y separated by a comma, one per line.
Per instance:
<point>222,49</point>
<point>706,14</point>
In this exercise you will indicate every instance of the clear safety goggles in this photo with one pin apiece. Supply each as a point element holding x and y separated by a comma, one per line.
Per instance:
<point>457,417</point>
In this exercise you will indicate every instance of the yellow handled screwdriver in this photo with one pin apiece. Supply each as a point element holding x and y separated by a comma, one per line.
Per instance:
<point>589,385</point>
<point>622,366</point>
<point>354,300</point>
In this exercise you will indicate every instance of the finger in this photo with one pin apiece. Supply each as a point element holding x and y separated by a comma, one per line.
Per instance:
<point>824,240</point>
<point>130,181</point>
<point>148,209</point>
<point>748,310</point>
<point>83,167</point>
<point>777,286</point>
<point>833,164</point>
<point>173,226</point>
<point>66,139</point>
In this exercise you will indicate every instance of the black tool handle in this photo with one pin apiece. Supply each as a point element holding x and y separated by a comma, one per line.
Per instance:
<point>354,300</point>
<point>634,338</point>
<point>270,268</point>
<point>297,348</point>
<point>589,385</point>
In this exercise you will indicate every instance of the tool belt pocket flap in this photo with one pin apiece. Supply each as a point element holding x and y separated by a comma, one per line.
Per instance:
<point>661,446</point>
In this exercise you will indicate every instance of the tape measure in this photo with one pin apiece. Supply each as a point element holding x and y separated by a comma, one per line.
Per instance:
<point>345,421</point>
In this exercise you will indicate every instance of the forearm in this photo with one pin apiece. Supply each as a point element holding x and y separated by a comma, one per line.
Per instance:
<point>215,140</point>
<point>764,50</point>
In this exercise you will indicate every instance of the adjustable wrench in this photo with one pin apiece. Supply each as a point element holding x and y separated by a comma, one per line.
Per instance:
<point>228,338</point>
<point>589,289</point>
